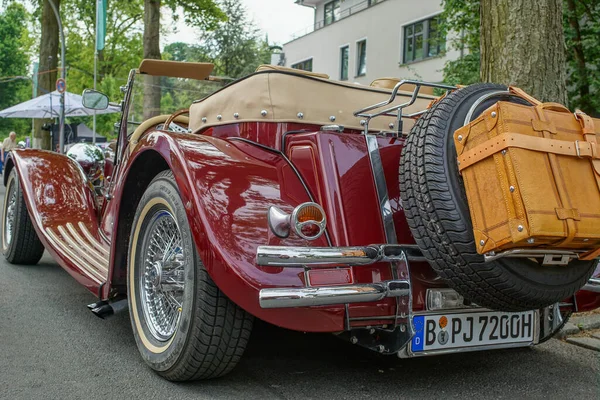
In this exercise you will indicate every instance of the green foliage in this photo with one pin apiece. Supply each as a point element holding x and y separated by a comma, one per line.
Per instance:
<point>204,14</point>
<point>15,43</point>
<point>235,46</point>
<point>461,18</point>
<point>123,51</point>
<point>586,15</point>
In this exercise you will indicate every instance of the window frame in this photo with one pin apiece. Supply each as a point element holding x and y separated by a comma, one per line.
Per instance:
<point>331,3</point>
<point>302,62</point>
<point>341,70</point>
<point>425,34</point>
<point>358,54</point>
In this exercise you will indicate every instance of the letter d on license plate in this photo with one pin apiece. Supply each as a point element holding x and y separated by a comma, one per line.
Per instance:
<point>449,331</point>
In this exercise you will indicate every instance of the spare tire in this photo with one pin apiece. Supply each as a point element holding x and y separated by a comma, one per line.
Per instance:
<point>435,204</point>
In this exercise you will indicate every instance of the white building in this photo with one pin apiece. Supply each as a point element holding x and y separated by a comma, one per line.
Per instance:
<point>362,40</point>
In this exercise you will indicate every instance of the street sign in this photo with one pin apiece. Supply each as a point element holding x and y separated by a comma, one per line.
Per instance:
<point>61,85</point>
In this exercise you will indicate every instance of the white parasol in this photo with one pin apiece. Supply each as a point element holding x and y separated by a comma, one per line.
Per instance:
<point>48,106</point>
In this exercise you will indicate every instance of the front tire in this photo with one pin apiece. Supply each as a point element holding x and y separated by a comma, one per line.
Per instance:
<point>184,326</point>
<point>20,243</point>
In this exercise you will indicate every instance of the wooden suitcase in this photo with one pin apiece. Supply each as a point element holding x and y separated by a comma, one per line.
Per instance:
<point>532,178</point>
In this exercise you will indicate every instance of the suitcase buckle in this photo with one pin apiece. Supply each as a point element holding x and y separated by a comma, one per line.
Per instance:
<point>577,148</point>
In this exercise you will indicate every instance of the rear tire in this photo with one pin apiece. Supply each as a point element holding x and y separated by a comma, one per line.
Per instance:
<point>20,243</point>
<point>436,209</point>
<point>195,331</point>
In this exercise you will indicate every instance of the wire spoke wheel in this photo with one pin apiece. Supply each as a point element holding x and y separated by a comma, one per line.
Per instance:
<point>162,277</point>
<point>9,223</point>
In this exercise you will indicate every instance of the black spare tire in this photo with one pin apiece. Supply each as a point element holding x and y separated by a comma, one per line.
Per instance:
<point>436,209</point>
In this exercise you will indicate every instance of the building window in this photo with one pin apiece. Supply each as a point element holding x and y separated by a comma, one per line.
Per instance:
<point>332,11</point>
<point>423,39</point>
<point>305,65</point>
<point>344,53</point>
<point>361,58</point>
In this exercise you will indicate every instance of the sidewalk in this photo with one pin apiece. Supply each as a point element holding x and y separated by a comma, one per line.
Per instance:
<point>583,330</point>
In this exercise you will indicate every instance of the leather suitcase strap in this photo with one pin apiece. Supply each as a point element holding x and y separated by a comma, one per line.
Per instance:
<point>535,143</point>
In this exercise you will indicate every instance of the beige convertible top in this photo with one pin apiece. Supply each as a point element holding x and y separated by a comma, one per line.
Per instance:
<point>277,95</point>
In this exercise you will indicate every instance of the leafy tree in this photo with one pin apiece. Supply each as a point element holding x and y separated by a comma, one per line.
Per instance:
<point>462,18</point>
<point>581,24</point>
<point>235,46</point>
<point>14,45</point>
<point>582,33</point>
<point>201,13</point>
<point>122,52</point>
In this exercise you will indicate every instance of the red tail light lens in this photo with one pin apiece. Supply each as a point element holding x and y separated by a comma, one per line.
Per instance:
<point>308,221</point>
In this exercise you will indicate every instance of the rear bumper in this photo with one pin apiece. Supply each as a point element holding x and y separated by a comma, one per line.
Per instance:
<point>321,296</point>
<point>328,257</point>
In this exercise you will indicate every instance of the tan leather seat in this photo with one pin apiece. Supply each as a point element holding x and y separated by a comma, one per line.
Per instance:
<point>389,83</point>
<point>269,67</point>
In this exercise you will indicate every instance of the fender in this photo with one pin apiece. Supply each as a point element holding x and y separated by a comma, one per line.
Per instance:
<point>62,207</point>
<point>227,187</point>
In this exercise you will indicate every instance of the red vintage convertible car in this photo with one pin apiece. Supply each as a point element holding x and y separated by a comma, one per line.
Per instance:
<point>283,196</point>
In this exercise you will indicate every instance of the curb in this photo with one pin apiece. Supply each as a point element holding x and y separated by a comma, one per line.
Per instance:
<point>578,324</point>
<point>586,322</point>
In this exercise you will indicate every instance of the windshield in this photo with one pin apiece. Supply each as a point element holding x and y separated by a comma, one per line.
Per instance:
<point>157,95</point>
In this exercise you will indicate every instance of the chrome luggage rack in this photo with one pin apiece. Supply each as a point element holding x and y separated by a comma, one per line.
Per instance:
<point>396,110</point>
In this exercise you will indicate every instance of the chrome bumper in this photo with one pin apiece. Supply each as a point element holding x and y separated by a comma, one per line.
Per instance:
<point>282,256</point>
<point>593,285</point>
<point>321,296</point>
<point>326,257</point>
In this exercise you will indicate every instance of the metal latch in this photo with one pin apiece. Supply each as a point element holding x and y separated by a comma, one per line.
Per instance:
<point>550,260</point>
<point>334,128</point>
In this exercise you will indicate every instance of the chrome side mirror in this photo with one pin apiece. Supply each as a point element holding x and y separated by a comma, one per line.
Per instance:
<point>94,99</point>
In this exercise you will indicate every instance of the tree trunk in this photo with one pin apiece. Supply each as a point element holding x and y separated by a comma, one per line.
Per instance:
<point>151,50</point>
<point>522,44</point>
<point>48,62</point>
<point>583,85</point>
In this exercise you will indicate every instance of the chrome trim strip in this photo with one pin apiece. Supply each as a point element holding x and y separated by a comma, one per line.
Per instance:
<point>320,296</point>
<point>85,244</point>
<point>84,267</point>
<point>593,285</point>
<point>481,100</point>
<point>92,240</point>
<point>285,256</point>
<point>381,187</point>
<point>529,253</point>
<point>80,251</point>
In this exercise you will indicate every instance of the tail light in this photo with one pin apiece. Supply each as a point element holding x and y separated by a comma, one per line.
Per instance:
<point>307,220</point>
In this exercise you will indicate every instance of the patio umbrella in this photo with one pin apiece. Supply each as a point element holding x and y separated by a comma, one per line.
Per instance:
<point>48,106</point>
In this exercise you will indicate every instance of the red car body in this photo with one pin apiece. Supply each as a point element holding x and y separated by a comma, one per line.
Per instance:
<point>228,176</point>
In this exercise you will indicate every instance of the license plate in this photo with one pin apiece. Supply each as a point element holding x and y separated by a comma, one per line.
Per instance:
<point>450,331</point>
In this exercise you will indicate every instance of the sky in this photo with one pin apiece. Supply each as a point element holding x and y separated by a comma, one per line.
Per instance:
<point>280,19</point>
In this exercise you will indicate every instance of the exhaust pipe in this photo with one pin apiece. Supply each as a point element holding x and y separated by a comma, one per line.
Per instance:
<point>104,309</point>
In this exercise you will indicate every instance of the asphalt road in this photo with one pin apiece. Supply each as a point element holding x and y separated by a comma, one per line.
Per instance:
<point>52,347</point>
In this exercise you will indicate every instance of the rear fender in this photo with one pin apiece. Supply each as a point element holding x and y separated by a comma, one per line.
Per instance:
<point>61,203</point>
<point>227,187</point>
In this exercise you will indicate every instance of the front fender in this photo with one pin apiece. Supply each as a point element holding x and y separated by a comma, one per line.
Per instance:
<point>62,207</point>
<point>227,187</point>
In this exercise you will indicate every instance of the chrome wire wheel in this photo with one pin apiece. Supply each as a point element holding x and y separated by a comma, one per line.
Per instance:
<point>10,213</point>
<point>162,275</point>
